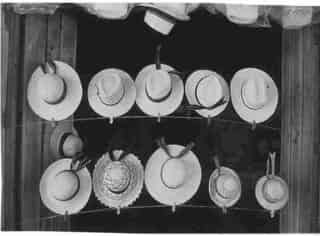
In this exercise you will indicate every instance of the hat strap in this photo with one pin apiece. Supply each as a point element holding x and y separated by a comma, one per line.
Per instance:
<point>162,144</point>
<point>271,159</point>
<point>157,61</point>
<point>217,163</point>
<point>79,161</point>
<point>49,64</point>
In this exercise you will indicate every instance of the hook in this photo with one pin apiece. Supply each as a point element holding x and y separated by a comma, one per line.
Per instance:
<point>272,213</point>
<point>158,118</point>
<point>173,209</point>
<point>254,125</point>
<point>208,121</point>
<point>118,210</point>
<point>111,120</point>
<point>65,216</point>
<point>224,210</point>
<point>53,123</point>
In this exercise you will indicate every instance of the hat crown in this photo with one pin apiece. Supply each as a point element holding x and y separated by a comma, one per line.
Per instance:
<point>64,185</point>
<point>117,176</point>
<point>209,91</point>
<point>255,93</point>
<point>51,88</point>
<point>110,88</point>
<point>227,186</point>
<point>173,173</point>
<point>158,84</point>
<point>273,190</point>
<point>72,145</point>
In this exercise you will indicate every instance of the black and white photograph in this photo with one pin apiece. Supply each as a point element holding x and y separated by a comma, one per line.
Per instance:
<point>162,117</point>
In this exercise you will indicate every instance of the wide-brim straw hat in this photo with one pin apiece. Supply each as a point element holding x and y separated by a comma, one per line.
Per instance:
<point>215,197</point>
<point>154,183</point>
<point>73,205</point>
<point>165,107</point>
<point>272,206</point>
<point>69,104</point>
<point>241,13</point>
<point>118,109</point>
<point>109,10</point>
<point>247,114</point>
<point>191,86</point>
<point>134,188</point>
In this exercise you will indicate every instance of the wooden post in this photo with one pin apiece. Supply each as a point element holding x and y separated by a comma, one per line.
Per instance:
<point>300,128</point>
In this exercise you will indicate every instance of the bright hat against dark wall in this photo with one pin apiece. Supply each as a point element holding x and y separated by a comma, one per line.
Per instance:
<point>254,95</point>
<point>64,187</point>
<point>241,13</point>
<point>111,93</point>
<point>109,10</point>
<point>54,91</point>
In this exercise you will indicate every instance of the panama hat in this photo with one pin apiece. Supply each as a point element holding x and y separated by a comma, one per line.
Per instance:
<point>241,13</point>
<point>65,189</point>
<point>111,93</point>
<point>54,91</point>
<point>161,16</point>
<point>207,89</point>
<point>159,92</point>
<point>109,10</point>
<point>271,191</point>
<point>65,141</point>
<point>173,174</point>
<point>296,16</point>
<point>254,95</point>
<point>118,179</point>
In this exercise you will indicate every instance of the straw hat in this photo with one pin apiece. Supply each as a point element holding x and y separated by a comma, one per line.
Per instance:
<point>224,187</point>
<point>159,93</point>
<point>160,16</point>
<point>172,181</point>
<point>65,141</point>
<point>254,95</point>
<point>118,182</point>
<point>241,13</point>
<point>111,93</point>
<point>206,89</point>
<point>54,92</point>
<point>296,16</point>
<point>63,189</point>
<point>109,10</point>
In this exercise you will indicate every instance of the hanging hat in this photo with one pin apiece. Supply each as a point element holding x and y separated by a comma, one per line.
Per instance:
<point>224,187</point>
<point>254,95</point>
<point>173,174</point>
<point>159,92</point>
<point>65,141</point>
<point>271,191</point>
<point>208,92</point>
<point>161,16</point>
<point>54,91</point>
<point>296,16</point>
<point>111,93</point>
<point>64,188</point>
<point>109,10</point>
<point>241,13</point>
<point>118,179</point>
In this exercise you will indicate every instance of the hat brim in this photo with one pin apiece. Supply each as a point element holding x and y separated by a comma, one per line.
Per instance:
<point>156,187</point>
<point>266,204</point>
<point>56,135</point>
<point>215,197</point>
<point>74,205</point>
<point>118,109</point>
<point>242,110</point>
<point>190,88</point>
<point>182,17</point>
<point>165,107</point>
<point>133,190</point>
<point>67,106</point>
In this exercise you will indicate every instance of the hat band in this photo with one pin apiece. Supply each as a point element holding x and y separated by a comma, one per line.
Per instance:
<point>111,104</point>
<point>122,190</point>
<point>163,181</point>
<point>159,99</point>
<point>247,105</point>
<point>75,192</point>
<point>63,95</point>
<point>62,140</point>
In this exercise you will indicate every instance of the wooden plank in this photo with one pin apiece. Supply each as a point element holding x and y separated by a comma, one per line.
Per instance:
<point>300,129</point>
<point>10,204</point>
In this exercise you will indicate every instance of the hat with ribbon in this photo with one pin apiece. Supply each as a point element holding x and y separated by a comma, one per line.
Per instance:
<point>207,92</point>
<point>54,91</point>
<point>65,141</point>
<point>254,95</point>
<point>224,186</point>
<point>118,179</point>
<point>272,191</point>
<point>173,174</point>
<point>111,93</point>
<point>162,16</point>
<point>65,186</point>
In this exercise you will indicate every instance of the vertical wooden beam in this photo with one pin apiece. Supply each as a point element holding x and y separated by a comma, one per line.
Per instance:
<point>300,128</point>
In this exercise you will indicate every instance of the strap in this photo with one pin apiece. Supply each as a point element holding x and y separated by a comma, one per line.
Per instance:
<point>217,163</point>
<point>157,57</point>
<point>273,157</point>
<point>79,161</point>
<point>162,144</point>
